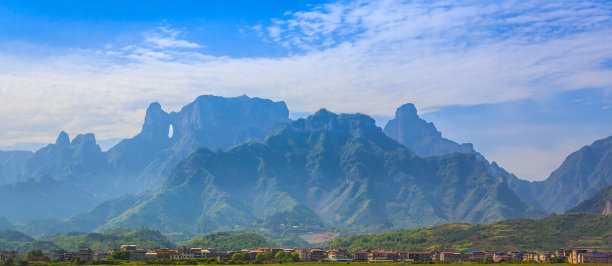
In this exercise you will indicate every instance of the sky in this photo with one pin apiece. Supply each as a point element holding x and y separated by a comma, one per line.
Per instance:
<point>527,82</point>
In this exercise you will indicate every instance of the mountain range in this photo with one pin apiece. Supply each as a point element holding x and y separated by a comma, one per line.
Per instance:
<point>328,170</point>
<point>72,176</point>
<point>578,178</point>
<point>241,164</point>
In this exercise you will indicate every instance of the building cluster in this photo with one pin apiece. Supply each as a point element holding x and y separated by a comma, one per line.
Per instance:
<point>132,253</point>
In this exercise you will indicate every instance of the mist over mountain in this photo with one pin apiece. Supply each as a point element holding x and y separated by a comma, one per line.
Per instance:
<point>210,121</point>
<point>578,178</point>
<point>12,164</point>
<point>252,168</point>
<point>326,170</point>
<point>69,177</point>
<point>424,139</point>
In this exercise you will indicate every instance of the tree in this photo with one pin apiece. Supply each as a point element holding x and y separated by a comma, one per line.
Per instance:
<point>280,256</point>
<point>293,257</point>
<point>237,257</point>
<point>34,253</point>
<point>121,255</point>
<point>262,256</point>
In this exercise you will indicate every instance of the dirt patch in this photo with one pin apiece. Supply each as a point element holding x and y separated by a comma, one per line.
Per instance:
<point>319,238</point>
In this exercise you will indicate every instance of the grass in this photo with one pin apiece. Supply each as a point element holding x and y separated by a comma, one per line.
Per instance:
<point>326,263</point>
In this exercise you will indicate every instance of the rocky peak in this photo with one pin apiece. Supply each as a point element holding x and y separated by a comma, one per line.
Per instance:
<point>408,126</point>
<point>156,124</point>
<point>84,140</point>
<point>324,120</point>
<point>63,139</point>
<point>407,111</point>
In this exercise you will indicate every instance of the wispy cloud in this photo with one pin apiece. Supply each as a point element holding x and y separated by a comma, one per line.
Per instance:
<point>164,37</point>
<point>354,56</point>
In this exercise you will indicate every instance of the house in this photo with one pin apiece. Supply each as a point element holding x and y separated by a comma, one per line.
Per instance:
<point>84,254</point>
<point>225,256</point>
<point>317,254</point>
<point>61,255</point>
<point>452,257</point>
<point>337,254</point>
<point>573,256</point>
<point>360,256</point>
<point>407,256</point>
<point>311,254</point>
<point>477,256</point>
<point>101,256</point>
<point>589,256</point>
<point>379,256</point>
<point>502,257</point>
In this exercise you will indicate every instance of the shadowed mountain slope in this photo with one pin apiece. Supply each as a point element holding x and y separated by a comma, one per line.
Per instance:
<point>601,203</point>
<point>326,170</point>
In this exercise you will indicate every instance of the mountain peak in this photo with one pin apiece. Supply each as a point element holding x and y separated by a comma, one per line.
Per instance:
<point>63,139</point>
<point>83,139</point>
<point>324,120</point>
<point>157,122</point>
<point>407,111</point>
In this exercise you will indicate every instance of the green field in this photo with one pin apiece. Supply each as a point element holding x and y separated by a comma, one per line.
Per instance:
<point>319,263</point>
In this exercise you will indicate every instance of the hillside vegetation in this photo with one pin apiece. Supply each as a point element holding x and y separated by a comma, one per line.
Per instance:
<point>227,242</point>
<point>564,231</point>
<point>101,242</point>
<point>601,203</point>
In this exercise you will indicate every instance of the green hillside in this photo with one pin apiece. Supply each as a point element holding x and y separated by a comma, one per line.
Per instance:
<point>600,203</point>
<point>227,242</point>
<point>563,231</point>
<point>143,237</point>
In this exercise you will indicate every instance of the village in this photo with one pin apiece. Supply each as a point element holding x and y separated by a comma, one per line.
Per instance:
<point>266,254</point>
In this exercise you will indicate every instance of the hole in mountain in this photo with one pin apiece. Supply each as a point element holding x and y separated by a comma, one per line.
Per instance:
<point>170,131</point>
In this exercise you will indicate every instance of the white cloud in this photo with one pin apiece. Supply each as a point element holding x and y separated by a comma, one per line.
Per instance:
<point>367,57</point>
<point>164,37</point>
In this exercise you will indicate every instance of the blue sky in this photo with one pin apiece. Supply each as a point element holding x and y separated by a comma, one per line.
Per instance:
<point>526,81</point>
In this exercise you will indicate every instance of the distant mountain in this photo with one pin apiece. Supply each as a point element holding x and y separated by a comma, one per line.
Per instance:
<point>12,164</point>
<point>62,179</point>
<point>69,177</point>
<point>580,177</point>
<point>421,136</point>
<point>601,203</point>
<point>424,139</point>
<point>10,235</point>
<point>555,232</point>
<point>326,170</point>
<point>210,121</point>
<point>6,224</point>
